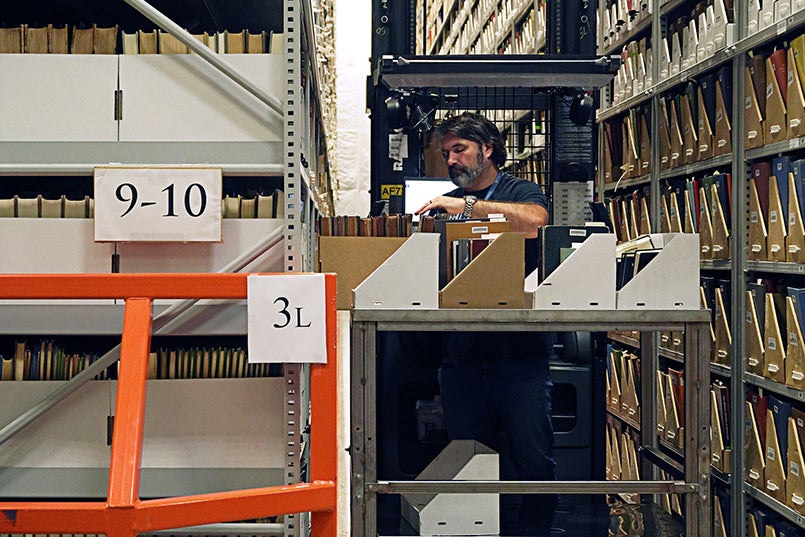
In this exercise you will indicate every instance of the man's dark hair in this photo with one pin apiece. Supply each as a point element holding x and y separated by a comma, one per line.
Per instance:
<point>475,127</point>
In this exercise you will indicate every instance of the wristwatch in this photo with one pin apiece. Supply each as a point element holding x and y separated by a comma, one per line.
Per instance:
<point>469,203</point>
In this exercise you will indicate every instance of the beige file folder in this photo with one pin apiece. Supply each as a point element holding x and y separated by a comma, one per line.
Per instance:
<point>796,99</point>
<point>704,131</point>
<point>705,227</point>
<point>776,228</point>
<point>774,358</point>
<point>755,459</point>
<point>718,224</point>
<point>774,472</point>
<point>690,141</point>
<point>722,134</point>
<point>754,340</point>
<point>723,343</point>
<point>795,480</point>
<point>757,226</point>
<point>753,120</point>
<point>775,126</point>
<point>795,237</point>
<point>794,351</point>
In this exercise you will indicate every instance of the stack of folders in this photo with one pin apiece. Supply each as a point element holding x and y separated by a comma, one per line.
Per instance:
<point>623,376</point>
<point>765,13</point>
<point>630,214</point>
<point>618,19</point>
<point>40,206</point>
<point>670,503</point>
<point>467,249</point>
<point>761,522</point>
<point>627,145</point>
<point>776,208</point>
<point>694,123</point>
<point>632,256</point>
<point>622,446</point>
<point>700,205</point>
<point>697,35</point>
<point>775,95</point>
<point>782,461</point>
<point>634,74</point>
<point>774,337</point>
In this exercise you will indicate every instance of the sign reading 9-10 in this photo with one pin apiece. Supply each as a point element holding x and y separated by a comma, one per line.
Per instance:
<point>157,204</point>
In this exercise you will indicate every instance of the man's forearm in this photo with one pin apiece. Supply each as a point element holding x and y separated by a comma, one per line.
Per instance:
<point>524,217</point>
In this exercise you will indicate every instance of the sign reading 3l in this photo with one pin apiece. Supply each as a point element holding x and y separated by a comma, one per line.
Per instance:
<point>157,204</point>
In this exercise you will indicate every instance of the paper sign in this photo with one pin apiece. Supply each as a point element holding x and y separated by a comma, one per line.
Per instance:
<point>286,318</point>
<point>169,204</point>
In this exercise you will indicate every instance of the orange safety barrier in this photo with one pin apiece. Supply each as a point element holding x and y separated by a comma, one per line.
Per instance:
<point>124,514</point>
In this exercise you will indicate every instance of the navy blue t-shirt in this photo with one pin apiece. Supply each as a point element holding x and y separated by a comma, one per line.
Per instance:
<point>509,188</point>
<point>491,346</point>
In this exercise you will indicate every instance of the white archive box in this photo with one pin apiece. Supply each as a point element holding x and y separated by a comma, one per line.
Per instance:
<point>670,281</point>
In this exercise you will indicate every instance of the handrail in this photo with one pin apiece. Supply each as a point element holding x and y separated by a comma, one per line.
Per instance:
<point>124,514</point>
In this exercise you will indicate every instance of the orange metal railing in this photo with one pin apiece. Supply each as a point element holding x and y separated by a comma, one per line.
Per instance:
<point>124,514</point>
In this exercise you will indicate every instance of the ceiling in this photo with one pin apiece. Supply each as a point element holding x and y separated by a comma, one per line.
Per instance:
<point>193,15</point>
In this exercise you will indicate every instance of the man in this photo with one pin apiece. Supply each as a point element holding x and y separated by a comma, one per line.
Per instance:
<point>498,383</point>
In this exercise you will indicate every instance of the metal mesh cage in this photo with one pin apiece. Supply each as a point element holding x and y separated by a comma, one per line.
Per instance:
<point>521,115</point>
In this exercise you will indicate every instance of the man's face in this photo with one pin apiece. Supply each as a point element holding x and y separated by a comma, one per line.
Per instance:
<point>466,160</point>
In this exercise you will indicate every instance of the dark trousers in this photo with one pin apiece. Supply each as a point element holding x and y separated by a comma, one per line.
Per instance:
<point>481,400</point>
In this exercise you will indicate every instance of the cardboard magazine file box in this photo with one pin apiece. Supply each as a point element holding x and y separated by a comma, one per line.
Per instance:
<point>456,514</point>
<point>585,280</point>
<point>670,281</point>
<point>353,259</point>
<point>409,278</point>
<point>493,280</point>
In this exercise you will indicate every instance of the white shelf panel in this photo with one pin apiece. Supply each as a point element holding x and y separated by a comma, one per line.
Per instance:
<point>198,442</point>
<point>54,245</point>
<point>182,98</point>
<point>58,97</point>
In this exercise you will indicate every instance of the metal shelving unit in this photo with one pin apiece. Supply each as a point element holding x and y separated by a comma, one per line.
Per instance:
<point>739,268</point>
<point>292,158</point>
<point>366,324</point>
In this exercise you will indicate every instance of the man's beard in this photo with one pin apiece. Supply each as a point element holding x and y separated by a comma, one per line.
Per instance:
<point>463,177</point>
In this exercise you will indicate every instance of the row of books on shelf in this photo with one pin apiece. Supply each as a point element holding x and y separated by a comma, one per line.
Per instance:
<point>693,125</point>
<point>776,209</point>
<point>694,205</point>
<point>773,432</point>
<point>232,206</point>
<point>762,522</point>
<point>256,206</point>
<point>775,95</point>
<point>623,383</point>
<point>773,333</point>
<point>384,225</point>
<point>207,362</point>
<point>50,39</point>
<point>48,360</point>
<point>40,206</point>
<point>700,205</point>
<point>715,296</point>
<point>621,462</point>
